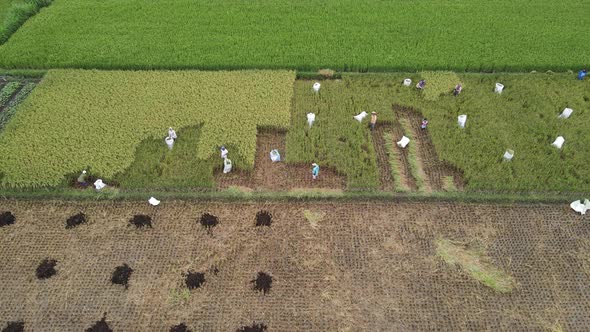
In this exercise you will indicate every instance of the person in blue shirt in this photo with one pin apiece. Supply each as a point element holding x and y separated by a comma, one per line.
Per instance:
<point>582,74</point>
<point>315,171</point>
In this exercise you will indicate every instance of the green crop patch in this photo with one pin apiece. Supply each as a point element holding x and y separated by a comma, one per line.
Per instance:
<point>157,167</point>
<point>523,118</point>
<point>474,35</point>
<point>78,119</point>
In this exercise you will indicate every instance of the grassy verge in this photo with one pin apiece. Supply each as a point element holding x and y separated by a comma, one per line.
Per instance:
<point>236,194</point>
<point>23,73</point>
<point>476,264</point>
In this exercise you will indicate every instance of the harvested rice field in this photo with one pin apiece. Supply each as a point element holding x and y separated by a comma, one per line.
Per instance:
<point>395,266</point>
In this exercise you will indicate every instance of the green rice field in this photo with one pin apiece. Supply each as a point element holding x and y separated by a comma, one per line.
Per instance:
<point>348,35</point>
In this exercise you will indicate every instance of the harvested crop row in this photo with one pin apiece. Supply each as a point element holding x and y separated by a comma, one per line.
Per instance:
<point>79,119</point>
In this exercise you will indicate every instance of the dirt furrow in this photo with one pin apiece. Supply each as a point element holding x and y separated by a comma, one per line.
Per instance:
<point>402,158</point>
<point>385,178</point>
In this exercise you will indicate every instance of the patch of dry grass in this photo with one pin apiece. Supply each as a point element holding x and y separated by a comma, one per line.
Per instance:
<point>314,217</point>
<point>476,264</point>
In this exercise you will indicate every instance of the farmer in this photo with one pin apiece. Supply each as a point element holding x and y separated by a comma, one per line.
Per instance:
<point>224,152</point>
<point>421,85</point>
<point>82,179</point>
<point>172,133</point>
<point>315,171</point>
<point>373,120</point>
<point>424,124</point>
<point>457,90</point>
<point>582,74</point>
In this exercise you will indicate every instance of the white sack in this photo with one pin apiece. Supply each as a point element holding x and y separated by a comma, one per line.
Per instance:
<point>316,87</point>
<point>361,116</point>
<point>153,201</point>
<point>566,113</point>
<point>462,120</point>
<point>407,82</point>
<point>98,184</point>
<point>275,155</point>
<point>558,142</point>
<point>169,142</point>
<point>508,155</point>
<point>226,165</point>
<point>499,87</point>
<point>403,142</point>
<point>579,207</point>
<point>310,118</point>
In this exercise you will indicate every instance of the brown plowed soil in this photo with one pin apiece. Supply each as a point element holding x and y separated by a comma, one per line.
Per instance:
<point>434,168</point>
<point>363,267</point>
<point>277,176</point>
<point>385,178</point>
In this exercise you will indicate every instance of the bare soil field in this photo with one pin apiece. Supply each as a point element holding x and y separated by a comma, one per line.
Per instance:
<point>294,267</point>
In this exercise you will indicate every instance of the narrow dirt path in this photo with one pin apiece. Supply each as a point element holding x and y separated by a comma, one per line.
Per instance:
<point>385,178</point>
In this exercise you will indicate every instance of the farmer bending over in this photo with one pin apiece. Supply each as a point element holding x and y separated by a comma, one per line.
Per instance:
<point>315,171</point>
<point>582,74</point>
<point>421,85</point>
<point>82,179</point>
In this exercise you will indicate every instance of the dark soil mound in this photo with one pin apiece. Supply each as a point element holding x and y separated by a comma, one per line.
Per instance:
<point>46,269</point>
<point>76,220</point>
<point>100,326</point>
<point>14,327</point>
<point>179,328</point>
<point>194,280</point>
<point>209,220</point>
<point>254,328</point>
<point>263,218</point>
<point>263,282</point>
<point>6,219</point>
<point>121,275</point>
<point>141,220</point>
